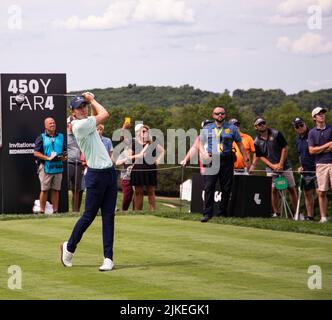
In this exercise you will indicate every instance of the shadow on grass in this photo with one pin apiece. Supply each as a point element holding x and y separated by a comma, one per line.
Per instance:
<point>147,265</point>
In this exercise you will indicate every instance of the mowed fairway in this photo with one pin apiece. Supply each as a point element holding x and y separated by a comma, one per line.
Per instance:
<point>159,258</point>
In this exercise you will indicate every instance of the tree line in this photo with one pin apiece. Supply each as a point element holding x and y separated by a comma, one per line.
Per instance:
<point>186,107</point>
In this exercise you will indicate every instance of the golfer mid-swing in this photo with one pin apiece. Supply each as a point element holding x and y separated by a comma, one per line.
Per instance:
<point>100,180</point>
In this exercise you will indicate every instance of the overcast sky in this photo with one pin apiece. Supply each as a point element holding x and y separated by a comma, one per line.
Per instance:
<point>210,44</point>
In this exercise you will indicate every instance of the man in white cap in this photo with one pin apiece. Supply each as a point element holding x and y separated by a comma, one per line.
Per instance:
<point>320,144</point>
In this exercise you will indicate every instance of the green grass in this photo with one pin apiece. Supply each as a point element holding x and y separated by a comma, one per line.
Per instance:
<point>158,258</point>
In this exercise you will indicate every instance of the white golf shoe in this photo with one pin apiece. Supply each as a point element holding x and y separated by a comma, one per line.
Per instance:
<point>323,220</point>
<point>66,256</point>
<point>107,265</point>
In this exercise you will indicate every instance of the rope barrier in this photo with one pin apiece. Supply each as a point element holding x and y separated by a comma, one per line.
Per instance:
<point>301,172</point>
<point>192,167</point>
<point>157,169</point>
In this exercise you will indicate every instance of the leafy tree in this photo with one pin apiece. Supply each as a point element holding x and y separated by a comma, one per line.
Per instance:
<point>280,118</point>
<point>186,107</point>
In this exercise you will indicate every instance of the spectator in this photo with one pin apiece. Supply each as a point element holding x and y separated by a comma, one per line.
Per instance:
<point>100,180</point>
<point>106,141</point>
<point>271,147</point>
<point>320,145</point>
<point>144,174</point>
<point>85,169</point>
<point>195,148</point>
<point>219,137</point>
<point>307,166</point>
<point>50,149</point>
<point>125,160</point>
<point>248,143</point>
<point>75,168</point>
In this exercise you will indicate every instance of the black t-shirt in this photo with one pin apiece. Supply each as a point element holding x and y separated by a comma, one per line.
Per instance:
<point>272,147</point>
<point>150,152</point>
<point>307,160</point>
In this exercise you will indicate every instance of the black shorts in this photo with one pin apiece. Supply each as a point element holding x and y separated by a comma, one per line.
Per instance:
<point>144,175</point>
<point>309,182</point>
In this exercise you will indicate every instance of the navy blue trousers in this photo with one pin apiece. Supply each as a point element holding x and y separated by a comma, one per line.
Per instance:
<point>101,193</point>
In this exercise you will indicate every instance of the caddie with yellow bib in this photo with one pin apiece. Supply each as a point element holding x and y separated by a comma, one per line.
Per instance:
<point>50,149</point>
<point>219,137</point>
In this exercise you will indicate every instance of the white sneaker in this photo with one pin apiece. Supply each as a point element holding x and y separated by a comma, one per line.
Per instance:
<point>66,256</point>
<point>107,265</point>
<point>323,220</point>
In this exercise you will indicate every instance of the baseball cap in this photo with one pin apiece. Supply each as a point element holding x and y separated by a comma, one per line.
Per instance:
<point>317,110</point>
<point>76,102</point>
<point>297,120</point>
<point>234,121</point>
<point>138,126</point>
<point>259,120</point>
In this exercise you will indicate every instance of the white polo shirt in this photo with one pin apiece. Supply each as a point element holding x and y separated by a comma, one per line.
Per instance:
<point>90,143</point>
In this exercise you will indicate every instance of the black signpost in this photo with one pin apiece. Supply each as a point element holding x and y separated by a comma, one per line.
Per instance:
<point>20,125</point>
<point>251,196</point>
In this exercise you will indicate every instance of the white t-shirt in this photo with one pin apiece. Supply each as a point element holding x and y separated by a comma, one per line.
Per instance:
<point>90,143</point>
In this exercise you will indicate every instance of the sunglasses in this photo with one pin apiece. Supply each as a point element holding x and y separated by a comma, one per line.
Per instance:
<point>297,126</point>
<point>263,123</point>
<point>219,113</point>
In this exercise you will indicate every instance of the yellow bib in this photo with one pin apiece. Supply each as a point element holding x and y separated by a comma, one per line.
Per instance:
<point>218,133</point>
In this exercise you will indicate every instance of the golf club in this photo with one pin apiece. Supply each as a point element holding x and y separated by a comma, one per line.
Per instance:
<point>20,98</point>
<point>296,217</point>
